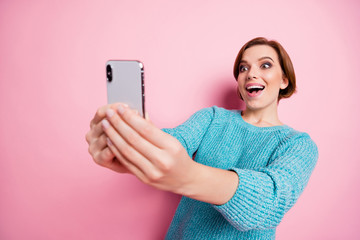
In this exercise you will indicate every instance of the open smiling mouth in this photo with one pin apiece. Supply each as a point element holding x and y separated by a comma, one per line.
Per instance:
<point>254,90</point>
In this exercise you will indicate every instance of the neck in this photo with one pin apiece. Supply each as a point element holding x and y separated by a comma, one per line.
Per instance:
<point>266,117</point>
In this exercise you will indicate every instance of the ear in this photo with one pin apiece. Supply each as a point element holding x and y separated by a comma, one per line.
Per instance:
<point>284,83</point>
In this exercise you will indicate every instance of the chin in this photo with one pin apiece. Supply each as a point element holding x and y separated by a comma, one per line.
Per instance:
<point>253,106</point>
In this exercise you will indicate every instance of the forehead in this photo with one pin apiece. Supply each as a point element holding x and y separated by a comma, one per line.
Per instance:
<point>258,51</point>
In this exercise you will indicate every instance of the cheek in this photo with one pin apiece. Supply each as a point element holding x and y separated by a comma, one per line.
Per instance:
<point>241,87</point>
<point>274,79</point>
<point>240,81</point>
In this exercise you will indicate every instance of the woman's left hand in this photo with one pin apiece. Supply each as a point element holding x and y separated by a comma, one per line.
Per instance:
<point>153,156</point>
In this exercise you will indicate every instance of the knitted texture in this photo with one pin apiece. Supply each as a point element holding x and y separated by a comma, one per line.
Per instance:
<point>274,165</point>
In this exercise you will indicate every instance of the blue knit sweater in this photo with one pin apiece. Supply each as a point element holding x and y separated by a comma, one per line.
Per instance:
<point>274,165</point>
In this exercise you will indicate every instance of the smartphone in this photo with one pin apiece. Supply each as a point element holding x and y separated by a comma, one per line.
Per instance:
<point>125,83</point>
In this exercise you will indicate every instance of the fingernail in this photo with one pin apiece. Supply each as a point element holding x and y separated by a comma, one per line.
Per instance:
<point>109,143</point>
<point>147,117</point>
<point>110,112</point>
<point>105,124</point>
<point>121,109</point>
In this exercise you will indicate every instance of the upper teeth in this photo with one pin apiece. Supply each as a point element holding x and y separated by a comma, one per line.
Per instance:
<point>254,86</point>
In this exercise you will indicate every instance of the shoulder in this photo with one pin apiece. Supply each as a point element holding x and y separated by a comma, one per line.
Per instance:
<point>201,120</point>
<point>214,110</point>
<point>220,113</point>
<point>299,141</point>
<point>213,113</point>
<point>293,135</point>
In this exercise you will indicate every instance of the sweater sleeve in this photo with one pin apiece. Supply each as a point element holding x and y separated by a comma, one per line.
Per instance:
<point>264,195</point>
<point>192,131</point>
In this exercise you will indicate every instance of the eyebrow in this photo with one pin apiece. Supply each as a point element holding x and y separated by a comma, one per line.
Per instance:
<point>262,58</point>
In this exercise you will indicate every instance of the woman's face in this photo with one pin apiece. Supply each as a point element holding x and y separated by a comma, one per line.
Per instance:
<point>260,77</point>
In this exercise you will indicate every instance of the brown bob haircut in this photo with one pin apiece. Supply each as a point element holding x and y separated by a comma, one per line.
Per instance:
<point>284,59</point>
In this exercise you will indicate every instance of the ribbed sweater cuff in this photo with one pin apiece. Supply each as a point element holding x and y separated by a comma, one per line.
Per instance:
<point>245,208</point>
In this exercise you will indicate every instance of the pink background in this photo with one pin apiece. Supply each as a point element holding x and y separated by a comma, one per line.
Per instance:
<point>52,79</point>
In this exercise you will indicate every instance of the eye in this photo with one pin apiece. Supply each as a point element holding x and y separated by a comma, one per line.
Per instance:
<point>266,65</point>
<point>243,68</point>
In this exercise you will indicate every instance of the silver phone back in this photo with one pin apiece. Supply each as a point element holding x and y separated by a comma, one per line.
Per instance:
<point>127,84</point>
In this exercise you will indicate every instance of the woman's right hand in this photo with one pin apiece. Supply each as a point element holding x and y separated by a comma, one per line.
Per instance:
<point>97,141</point>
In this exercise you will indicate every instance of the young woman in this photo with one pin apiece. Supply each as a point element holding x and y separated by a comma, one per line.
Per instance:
<point>249,168</point>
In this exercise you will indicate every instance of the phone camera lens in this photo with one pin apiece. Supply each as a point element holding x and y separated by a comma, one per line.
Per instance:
<point>109,73</point>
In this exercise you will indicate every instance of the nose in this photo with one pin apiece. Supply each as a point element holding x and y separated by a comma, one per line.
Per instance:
<point>251,74</point>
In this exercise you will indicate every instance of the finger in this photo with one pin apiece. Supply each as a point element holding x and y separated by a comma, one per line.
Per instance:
<point>145,128</point>
<point>147,117</point>
<point>125,163</point>
<point>95,132</point>
<point>143,146</point>
<point>106,158</point>
<point>98,144</point>
<point>101,112</point>
<point>99,115</point>
<point>103,157</point>
<point>127,151</point>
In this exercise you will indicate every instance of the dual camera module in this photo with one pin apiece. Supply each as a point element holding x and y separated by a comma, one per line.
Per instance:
<point>109,72</point>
